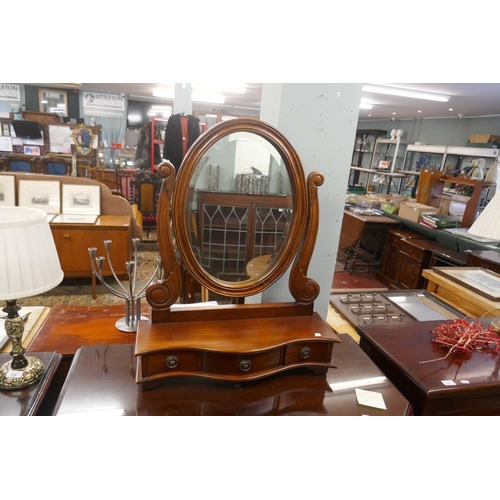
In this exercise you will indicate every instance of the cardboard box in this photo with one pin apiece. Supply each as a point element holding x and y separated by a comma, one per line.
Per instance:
<point>369,201</point>
<point>392,205</point>
<point>484,138</point>
<point>413,211</point>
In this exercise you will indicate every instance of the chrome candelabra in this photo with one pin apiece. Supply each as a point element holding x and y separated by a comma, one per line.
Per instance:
<point>131,296</point>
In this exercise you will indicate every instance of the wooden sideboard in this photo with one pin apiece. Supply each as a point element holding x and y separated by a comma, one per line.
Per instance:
<point>73,240</point>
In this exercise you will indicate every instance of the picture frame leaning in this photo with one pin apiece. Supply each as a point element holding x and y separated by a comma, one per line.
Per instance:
<point>44,195</point>
<point>7,191</point>
<point>81,199</point>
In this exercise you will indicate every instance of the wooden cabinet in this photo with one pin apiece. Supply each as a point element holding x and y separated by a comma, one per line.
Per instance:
<point>235,228</point>
<point>487,259</point>
<point>73,240</point>
<point>393,257</point>
<point>407,255</point>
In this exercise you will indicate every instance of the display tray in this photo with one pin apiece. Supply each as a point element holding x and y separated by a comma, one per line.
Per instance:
<point>394,306</point>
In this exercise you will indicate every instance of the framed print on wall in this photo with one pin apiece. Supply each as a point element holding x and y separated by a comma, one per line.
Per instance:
<point>44,195</point>
<point>7,191</point>
<point>53,101</point>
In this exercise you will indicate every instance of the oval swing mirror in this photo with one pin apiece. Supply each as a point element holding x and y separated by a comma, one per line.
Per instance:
<point>239,207</point>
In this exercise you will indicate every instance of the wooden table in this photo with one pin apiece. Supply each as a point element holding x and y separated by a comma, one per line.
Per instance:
<point>454,386</point>
<point>30,400</point>
<point>67,328</point>
<point>74,239</point>
<point>101,380</point>
<point>355,228</point>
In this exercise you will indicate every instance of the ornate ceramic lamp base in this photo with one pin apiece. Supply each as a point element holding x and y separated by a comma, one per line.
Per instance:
<point>13,379</point>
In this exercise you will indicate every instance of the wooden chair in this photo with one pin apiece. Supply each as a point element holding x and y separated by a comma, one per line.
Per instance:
<point>19,163</point>
<point>123,179</point>
<point>53,165</point>
<point>147,187</point>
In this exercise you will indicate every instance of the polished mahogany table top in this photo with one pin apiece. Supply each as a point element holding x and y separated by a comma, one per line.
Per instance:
<point>67,328</point>
<point>30,400</point>
<point>455,386</point>
<point>101,380</point>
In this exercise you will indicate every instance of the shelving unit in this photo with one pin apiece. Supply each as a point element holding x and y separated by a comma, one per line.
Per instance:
<point>364,147</point>
<point>382,180</point>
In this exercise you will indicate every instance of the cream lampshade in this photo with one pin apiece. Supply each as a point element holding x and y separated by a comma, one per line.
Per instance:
<point>29,266</point>
<point>487,225</point>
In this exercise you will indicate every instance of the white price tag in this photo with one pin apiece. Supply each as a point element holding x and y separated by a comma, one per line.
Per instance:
<point>14,374</point>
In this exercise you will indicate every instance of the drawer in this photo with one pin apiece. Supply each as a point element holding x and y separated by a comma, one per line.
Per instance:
<point>170,361</point>
<point>412,250</point>
<point>229,364</point>
<point>312,352</point>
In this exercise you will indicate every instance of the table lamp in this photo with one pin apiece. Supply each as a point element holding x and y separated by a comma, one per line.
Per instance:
<point>29,266</point>
<point>487,225</point>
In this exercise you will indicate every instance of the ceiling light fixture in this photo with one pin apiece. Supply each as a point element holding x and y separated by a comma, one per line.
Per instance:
<point>235,88</point>
<point>415,94</point>
<point>196,95</point>
<point>365,105</point>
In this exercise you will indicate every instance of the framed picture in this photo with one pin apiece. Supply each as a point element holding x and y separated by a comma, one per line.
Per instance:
<point>44,195</point>
<point>74,219</point>
<point>481,281</point>
<point>7,191</point>
<point>81,199</point>
<point>53,101</point>
<point>32,150</point>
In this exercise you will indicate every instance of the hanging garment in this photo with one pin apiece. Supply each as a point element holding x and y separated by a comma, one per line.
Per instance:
<point>180,134</point>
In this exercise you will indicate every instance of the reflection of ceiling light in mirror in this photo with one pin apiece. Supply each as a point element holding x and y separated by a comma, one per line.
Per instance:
<point>415,94</point>
<point>226,117</point>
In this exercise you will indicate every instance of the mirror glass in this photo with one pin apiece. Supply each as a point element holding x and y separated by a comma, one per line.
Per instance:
<point>239,207</point>
<point>84,139</point>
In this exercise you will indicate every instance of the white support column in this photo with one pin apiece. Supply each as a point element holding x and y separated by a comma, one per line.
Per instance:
<point>320,121</point>
<point>182,99</point>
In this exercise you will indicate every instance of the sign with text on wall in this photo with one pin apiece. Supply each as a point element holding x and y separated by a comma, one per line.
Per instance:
<point>99,104</point>
<point>9,92</point>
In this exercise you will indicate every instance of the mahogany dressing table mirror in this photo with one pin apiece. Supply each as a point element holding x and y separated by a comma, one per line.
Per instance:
<point>272,221</point>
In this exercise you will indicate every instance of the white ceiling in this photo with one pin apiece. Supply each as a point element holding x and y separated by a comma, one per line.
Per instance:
<point>467,99</point>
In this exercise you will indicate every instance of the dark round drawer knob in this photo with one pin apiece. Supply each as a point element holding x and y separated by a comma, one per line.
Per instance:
<point>245,365</point>
<point>172,361</point>
<point>305,352</point>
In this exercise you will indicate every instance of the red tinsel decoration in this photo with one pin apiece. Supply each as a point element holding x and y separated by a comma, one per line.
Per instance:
<point>461,336</point>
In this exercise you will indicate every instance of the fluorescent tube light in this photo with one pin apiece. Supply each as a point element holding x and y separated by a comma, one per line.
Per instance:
<point>365,105</point>
<point>196,96</point>
<point>415,94</point>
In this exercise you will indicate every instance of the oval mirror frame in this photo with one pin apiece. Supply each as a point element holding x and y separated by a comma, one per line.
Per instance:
<point>182,213</point>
